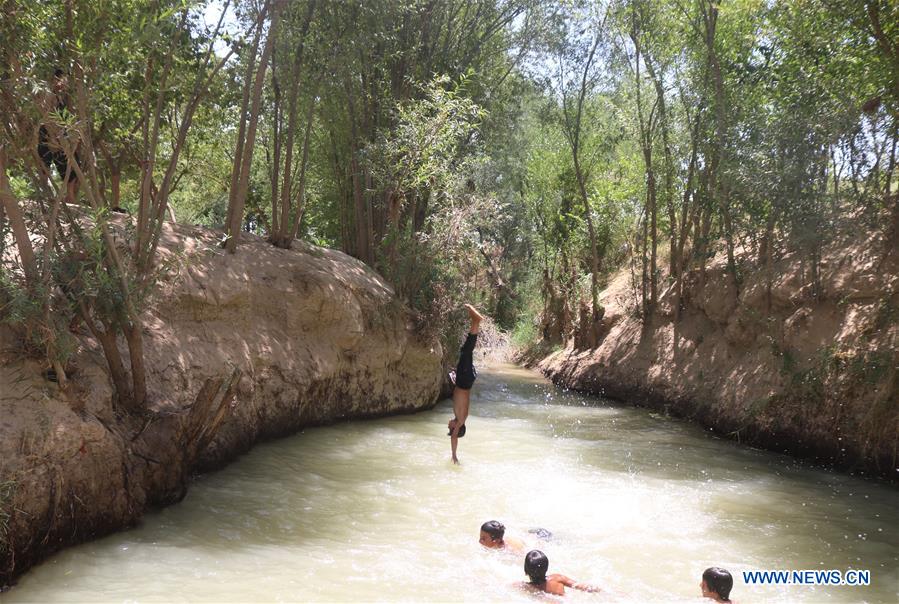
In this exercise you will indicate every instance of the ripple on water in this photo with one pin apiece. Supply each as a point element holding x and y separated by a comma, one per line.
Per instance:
<point>374,511</point>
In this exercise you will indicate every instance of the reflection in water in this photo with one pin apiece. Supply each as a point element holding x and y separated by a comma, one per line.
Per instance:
<point>375,510</point>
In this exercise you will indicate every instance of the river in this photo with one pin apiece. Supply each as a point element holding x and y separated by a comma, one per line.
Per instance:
<point>637,503</point>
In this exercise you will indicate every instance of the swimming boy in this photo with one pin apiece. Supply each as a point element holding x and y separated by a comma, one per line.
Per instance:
<point>493,537</point>
<point>535,566</point>
<point>463,379</point>
<point>716,584</point>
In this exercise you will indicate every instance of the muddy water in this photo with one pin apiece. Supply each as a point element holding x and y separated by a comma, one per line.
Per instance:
<point>636,502</point>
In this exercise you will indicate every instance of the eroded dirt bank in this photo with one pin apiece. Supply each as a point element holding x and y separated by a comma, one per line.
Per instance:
<point>316,335</point>
<point>794,369</point>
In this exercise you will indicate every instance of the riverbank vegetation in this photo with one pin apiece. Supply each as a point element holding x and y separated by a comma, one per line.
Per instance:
<point>695,201</point>
<point>514,153</point>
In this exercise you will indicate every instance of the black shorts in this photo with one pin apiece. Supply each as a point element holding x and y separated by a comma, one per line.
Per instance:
<point>53,157</point>
<point>465,371</point>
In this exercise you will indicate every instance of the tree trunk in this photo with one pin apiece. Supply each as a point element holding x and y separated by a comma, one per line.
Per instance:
<point>594,254</point>
<point>115,180</point>
<point>704,234</point>
<point>644,268</point>
<point>717,186</point>
<point>649,219</point>
<point>284,234</point>
<point>278,227</point>
<point>361,220</point>
<point>370,216</point>
<point>107,340</point>
<point>891,167</point>
<point>653,231</point>
<point>134,338</point>
<point>766,257</point>
<point>573,131</point>
<point>17,222</point>
<point>887,45</point>
<point>277,134</point>
<point>689,193</point>
<point>117,370</point>
<point>238,199</point>
<point>301,185</point>
<point>668,188</point>
<point>244,112</point>
<point>151,135</point>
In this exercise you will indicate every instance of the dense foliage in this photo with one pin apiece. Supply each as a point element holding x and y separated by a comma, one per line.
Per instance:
<point>507,152</point>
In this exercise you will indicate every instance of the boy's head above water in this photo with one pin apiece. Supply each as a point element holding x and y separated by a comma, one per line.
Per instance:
<point>535,566</point>
<point>492,534</point>
<point>716,584</point>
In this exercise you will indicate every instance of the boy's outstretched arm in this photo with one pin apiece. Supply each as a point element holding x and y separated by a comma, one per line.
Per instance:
<point>569,582</point>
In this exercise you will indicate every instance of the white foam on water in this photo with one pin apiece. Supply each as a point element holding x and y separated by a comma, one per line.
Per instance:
<point>374,511</point>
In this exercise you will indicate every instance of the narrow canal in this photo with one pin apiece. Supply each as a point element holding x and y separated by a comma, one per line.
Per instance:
<point>637,503</point>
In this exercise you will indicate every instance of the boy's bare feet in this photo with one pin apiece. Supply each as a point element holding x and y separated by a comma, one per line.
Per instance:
<point>475,318</point>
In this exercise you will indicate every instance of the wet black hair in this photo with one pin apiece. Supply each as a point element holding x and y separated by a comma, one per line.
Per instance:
<point>535,566</point>
<point>494,528</point>
<point>461,432</point>
<point>719,581</point>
